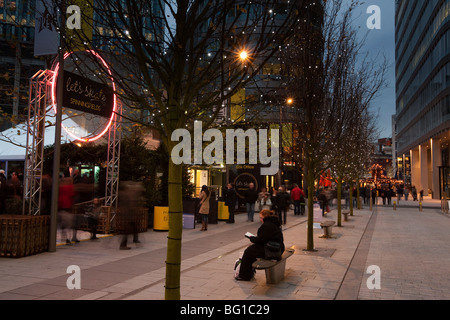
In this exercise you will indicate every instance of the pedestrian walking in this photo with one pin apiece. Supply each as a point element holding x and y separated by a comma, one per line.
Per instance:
<point>251,196</point>
<point>399,193</point>
<point>363,194</point>
<point>204,207</point>
<point>230,201</point>
<point>283,201</point>
<point>383,194</point>
<point>131,200</point>
<point>322,198</point>
<point>414,193</point>
<point>65,202</point>
<point>298,197</point>
<point>2,192</point>
<point>261,196</point>
<point>406,193</point>
<point>266,202</point>
<point>389,193</point>
<point>273,199</point>
<point>93,213</point>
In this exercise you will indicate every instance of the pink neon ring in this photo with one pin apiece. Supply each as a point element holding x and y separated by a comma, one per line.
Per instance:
<point>54,81</point>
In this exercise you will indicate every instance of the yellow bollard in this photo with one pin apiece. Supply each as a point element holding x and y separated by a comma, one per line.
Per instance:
<point>395,206</point>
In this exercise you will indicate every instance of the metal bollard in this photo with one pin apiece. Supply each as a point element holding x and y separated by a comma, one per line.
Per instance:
<point>395,206</point>
<point>420,207</point>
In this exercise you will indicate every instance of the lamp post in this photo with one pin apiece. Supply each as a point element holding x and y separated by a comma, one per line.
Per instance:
<point>289,102</point>
<point>57,152</point>
<point>243,56</point>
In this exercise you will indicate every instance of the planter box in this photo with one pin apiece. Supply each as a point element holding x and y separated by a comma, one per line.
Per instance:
<point>22,236</point>
<point>135,220</point>
<point>104,222</point>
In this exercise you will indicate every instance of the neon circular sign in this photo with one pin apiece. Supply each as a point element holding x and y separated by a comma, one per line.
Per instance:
<point>54,102</point>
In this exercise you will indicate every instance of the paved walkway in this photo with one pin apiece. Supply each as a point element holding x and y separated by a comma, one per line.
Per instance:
<point>411,249</point>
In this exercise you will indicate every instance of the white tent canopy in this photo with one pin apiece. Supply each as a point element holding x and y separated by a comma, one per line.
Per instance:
<point>14,140</point>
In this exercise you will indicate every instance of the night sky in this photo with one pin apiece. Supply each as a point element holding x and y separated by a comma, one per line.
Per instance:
<point>381,41</point>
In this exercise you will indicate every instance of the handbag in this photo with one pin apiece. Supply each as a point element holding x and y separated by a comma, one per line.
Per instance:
<point>237,267</point>
<point>272,251</point>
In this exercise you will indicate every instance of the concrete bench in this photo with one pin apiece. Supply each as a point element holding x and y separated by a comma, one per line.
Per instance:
<point>346,214</point>
<point>274,269</point>
<point>327,228</point>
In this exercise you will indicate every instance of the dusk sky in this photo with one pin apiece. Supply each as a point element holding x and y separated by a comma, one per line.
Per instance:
<point>381,41</point>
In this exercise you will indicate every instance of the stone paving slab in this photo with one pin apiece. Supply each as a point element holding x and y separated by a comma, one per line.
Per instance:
<point>410,247</point>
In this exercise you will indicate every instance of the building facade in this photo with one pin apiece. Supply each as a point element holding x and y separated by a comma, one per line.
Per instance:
<point>17,61</point>
<point>423,94</point>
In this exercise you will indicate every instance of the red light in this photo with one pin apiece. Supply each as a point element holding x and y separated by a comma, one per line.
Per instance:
<point>54,82</point>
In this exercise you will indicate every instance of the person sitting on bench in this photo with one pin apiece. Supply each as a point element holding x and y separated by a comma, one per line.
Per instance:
<point>270,230</point>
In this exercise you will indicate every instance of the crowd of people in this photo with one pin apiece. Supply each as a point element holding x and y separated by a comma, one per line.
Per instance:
<point>389,191</point>
<point>10,192</point>
<point>277,200</point>
<point>74,190</point>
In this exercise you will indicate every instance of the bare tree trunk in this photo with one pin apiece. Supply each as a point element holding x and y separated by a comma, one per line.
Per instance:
<point>339,197</point>
<point>310,236</point>
<point>173,262</point>
<point>351,197</point>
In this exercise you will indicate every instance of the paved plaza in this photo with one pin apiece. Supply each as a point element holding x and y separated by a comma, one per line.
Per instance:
<point>411,250</point>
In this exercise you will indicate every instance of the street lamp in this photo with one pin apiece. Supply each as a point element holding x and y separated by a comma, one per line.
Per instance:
<point>243,55</point>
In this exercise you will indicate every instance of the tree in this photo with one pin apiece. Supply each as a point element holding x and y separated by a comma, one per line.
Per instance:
<point>184,74</point>
<point>320,63</point>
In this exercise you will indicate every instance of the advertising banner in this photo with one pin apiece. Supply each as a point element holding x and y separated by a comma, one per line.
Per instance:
<point>46,39</point>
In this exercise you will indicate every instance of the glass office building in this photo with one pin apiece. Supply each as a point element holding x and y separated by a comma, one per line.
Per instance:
<point>17,61</point>
<point>423,94</point>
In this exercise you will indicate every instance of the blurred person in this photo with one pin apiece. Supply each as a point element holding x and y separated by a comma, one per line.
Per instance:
<point>383,194</point>
<point>270,230</point>
<point>65,202</point>
<point>273,199</point>
<point>389,193</point>
<point>3,190</point>
<point>406,193</point>
<point>130,201</point>
<point>399,193</point>
<point>414,193</point>
<point>250,196</point>
<point>283,200</point>
<point>262,195</point>
<point>323,201</point>
<point>266,202</point>
<point>46,194</point>
<point>298,196</point>
<point>205,195</point>
<point>230,201</point>
<point>93,214</point>
<point>14,186</point>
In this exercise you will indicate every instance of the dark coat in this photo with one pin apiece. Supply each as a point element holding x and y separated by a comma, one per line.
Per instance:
<point>283,200</point>
<point>270,230</point>
<point>251,195</point>
<point>230,198</point>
